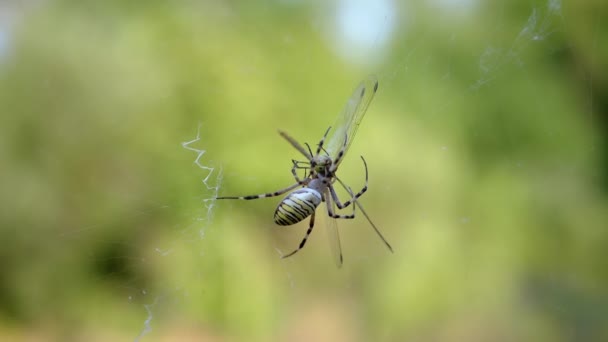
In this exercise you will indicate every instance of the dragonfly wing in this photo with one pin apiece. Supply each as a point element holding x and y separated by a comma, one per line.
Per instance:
<point>333,236</point>
<point>346,125</point>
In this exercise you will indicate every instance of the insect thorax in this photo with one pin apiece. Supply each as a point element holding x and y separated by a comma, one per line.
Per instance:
<point>321,164</point>
<point>297,206</point>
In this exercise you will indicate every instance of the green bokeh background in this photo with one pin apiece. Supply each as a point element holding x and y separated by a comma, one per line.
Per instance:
<point>486,144</point>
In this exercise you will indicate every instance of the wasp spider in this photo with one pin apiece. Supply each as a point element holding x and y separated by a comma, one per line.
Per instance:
<point>320,168</point>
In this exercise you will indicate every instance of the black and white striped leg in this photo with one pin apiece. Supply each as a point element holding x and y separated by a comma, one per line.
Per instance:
<point>270,194</point>
<point>334,166</point>
<point>299,181</point>
<point>330,210</point>
<point>354,196</point>
<point>310,227</point>
<point>320,146</point>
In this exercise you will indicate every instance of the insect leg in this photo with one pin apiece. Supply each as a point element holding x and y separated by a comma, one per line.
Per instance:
<point>296,165</point>
<point>367,217</point>
<point>295,144</point>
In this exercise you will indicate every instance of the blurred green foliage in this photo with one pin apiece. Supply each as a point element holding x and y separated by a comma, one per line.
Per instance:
<point>488,173</point>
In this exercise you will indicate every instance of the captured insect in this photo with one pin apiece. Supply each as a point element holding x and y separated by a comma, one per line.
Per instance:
<point>320,168</point>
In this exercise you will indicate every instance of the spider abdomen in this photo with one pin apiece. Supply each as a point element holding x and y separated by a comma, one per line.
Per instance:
<point>297,206</point>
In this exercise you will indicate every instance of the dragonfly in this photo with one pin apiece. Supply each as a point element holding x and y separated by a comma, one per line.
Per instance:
<point>319,180</point>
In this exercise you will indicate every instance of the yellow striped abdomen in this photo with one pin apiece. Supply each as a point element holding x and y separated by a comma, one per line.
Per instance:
<point>297,206</point>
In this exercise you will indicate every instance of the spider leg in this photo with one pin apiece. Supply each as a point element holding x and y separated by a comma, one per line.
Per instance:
<point>336,162</point>
<point>310,227</point>
<point>300,182</point>
<point>269,194</point>
<point>334,197</point>
<point>355,196</point>
<point>320,146</point>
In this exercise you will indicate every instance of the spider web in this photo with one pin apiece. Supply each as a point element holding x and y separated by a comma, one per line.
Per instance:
<point>212,181</point>
<point>211,184</point>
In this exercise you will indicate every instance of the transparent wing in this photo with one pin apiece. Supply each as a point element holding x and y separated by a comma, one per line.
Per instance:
<point>344,130</point>
<point>332,232</point>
